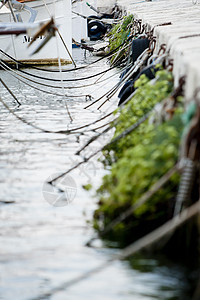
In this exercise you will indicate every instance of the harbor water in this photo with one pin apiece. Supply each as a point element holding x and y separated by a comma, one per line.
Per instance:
<point>43,233</point>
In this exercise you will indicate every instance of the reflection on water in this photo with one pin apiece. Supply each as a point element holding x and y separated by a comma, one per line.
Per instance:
<point>42,245</point>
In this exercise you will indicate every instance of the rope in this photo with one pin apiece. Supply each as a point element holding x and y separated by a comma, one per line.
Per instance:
<point>130,73</point>
<point>62,40</point>
<point>74,130</point>
<point>72,87</point>
<point>3,3</point>
<point>94,138</point>
<point>67,131</point>
<point>67,80</point>
<point>149,239</point>
<point>12,12</point>
<point>72,96</point>
<point>31,124</point>
<point>144,198</point>
<point>70,70</point>
<point>59,62</point>
<point>133,127</point>
<point>90,124</point>
<point>6,68</point>
<point>120,136</point>
<point>66,48</point>
<point>58,80</point>
<point>11,93</point>
<point>139,62</point>
<point>22,120</point>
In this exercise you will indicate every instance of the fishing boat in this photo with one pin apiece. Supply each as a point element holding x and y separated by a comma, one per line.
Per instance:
<point>59,48</point>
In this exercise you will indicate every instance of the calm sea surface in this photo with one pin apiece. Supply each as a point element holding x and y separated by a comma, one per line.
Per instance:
<point>42,232</point>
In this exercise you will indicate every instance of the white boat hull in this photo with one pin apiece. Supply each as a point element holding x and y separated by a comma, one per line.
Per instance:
<point>54,49</point>
<point>79,24</point>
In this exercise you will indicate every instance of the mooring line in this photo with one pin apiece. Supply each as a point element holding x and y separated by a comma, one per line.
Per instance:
<point>69,87</point>
<point>66,132</point>
<point>60,36</point>
<point>130,73</point>
<point>90,124</point>
<point>7,68</point>
<point>86,159</point>
<point>28,84</point>
<point>22,120</point>
<point>11,93</point>
<point>143,199</point>
<point>62,40</point>
<point>70,131</point>
<point>61,74</point>
<point>94,138</point>
<point>143,243</point>
<point>68,80</point>
<point>99,127</point>
<point>106,56</point>
<point>115,140</point>
<point>120,136</point>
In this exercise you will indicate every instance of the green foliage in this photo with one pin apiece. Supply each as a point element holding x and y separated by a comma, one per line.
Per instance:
<point>145,98</point>
<point>138,161</point>
<point>119,34</point>
<point>87,187</point>
<point>142,165</point>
